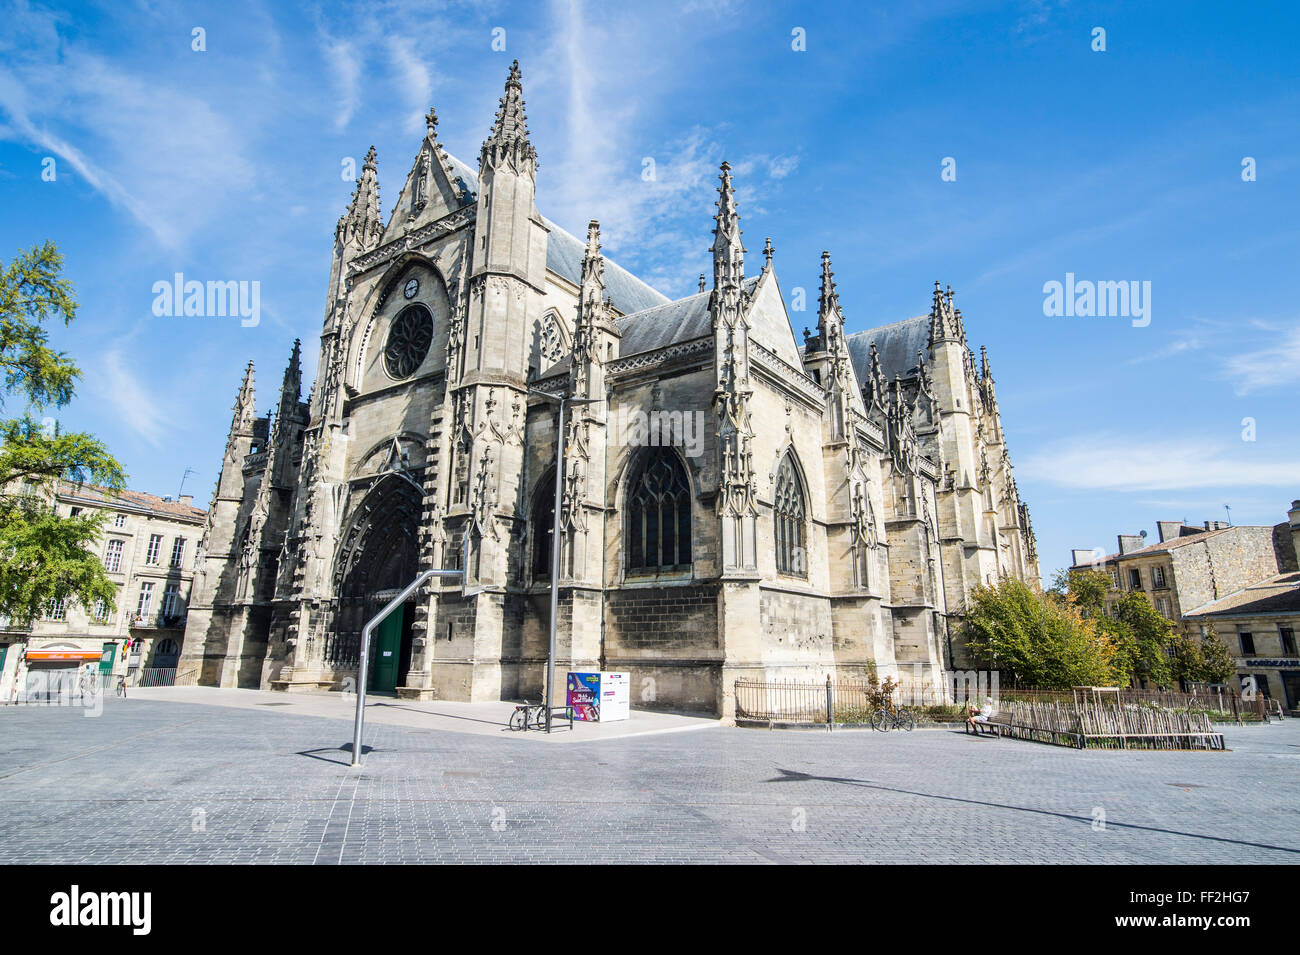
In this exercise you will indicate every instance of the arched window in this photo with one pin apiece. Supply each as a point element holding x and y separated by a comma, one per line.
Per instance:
<point>658,514</point>
<point>543,527</point>
<point>788,516</point>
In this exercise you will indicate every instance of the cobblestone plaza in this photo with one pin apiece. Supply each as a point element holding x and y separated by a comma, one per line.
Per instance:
<point>161,781</point>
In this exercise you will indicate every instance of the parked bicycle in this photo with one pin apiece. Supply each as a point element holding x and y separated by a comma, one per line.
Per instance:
<point>894,717</point>
<point>528,716</point>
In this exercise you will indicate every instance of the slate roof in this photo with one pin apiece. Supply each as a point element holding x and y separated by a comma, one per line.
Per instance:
<point>564,251</point>
<point>897,344</point>
<point>1277,595</point>
<point>132,501</point>
<point>678,321</point>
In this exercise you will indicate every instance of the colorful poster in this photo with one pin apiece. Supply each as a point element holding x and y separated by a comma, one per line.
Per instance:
<point>584,696</point>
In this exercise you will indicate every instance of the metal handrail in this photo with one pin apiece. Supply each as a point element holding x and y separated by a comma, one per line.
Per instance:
<point>365,650</point>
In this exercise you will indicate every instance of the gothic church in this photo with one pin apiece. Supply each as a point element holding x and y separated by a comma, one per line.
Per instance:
<point>843,496</point>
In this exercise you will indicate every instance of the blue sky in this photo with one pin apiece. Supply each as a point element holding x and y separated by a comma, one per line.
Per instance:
<point>1126,164</point>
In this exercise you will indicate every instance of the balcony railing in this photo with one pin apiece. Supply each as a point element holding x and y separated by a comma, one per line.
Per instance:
<point>158,621</point>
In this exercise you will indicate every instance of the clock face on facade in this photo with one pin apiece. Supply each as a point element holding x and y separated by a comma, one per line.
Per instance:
<point>412,287</point>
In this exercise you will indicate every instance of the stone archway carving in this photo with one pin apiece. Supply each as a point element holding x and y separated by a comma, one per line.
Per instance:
<point>379,552</point>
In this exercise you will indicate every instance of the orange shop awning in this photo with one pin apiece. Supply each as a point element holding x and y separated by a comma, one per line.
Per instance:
<point>86,655</point>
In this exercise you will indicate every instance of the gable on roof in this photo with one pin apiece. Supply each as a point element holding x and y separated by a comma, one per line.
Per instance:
<point>429,193</point>
<point>769,321</point>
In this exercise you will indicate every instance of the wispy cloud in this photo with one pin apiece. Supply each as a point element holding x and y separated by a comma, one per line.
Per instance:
<point>414,80</point>
<point>1110,462</point>
<point>1276,365</point>
<point>167,157</point>
<point>651,200</point>
<point>116,384</point>
<point>345,72</point>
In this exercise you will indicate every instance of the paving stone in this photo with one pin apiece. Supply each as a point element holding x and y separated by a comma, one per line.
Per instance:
<point>186,783</point>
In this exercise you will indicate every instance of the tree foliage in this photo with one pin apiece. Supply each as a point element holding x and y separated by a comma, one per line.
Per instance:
<point>1040,639</point>
<point>1205,660</point>
<point>1148,639</point>
<point>44,557</point>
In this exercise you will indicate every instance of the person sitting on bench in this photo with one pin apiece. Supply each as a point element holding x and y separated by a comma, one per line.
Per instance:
<point>982,716</point>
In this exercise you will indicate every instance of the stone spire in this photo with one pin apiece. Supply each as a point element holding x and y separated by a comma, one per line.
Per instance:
<point>728,253</point>
<point>828,302</point>
<point>508,142</point>
<point>737,497</point>
<point>360,225</point>
<point>986,373</point>
<point>291,388</point>
<point>592,319</point>
<point>245,409</point>
<point>593,266</point>
<point>945,321</point>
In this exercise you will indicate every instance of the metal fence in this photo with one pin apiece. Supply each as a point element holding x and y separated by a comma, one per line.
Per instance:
<point>163,676</point>
<point>48,686</point>
<point>854,701</point>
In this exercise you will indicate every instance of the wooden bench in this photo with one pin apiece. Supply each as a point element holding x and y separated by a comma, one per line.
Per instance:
<point>993,726</point>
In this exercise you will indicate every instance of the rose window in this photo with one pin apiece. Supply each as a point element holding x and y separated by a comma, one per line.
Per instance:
<point>408,341</point>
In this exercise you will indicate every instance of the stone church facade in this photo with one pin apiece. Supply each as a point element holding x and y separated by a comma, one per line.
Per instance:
<point>735,503</point>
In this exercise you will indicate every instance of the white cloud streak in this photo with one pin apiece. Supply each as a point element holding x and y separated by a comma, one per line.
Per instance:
<point>1109,462</point>
<point>1276,365</point>
<point>117,385</point>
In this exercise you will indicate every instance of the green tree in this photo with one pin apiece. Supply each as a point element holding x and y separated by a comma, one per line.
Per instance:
<point>1149,640</point>
<point>1038,639</point>
<point>1220,665</point>
<point>1086,589</point>
<point>44,557</point>
<point>1197,660</point>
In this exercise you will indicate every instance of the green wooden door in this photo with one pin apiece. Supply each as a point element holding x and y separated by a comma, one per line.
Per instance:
<point>387,651</point>
<point>106,661</point>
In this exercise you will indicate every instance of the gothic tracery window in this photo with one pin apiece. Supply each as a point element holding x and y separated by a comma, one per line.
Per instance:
<point>408,342</point>
<point>788,512</point>
<point>550,344</point>
<point>658,514</point>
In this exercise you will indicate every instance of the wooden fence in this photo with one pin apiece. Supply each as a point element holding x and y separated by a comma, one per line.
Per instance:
<point>1109,726</point>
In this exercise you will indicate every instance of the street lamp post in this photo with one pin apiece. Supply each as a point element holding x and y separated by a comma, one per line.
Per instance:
<point>373,622</point>
<point>555,537</point>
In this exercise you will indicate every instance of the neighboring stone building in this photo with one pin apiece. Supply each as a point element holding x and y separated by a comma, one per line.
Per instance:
<point>148,548</point>
<point>1259,622</point>
<point>734,504</point>
<point>1189,565</point>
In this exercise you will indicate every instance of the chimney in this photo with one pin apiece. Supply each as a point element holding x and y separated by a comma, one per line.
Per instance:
<point>1087,557</point>
<point>1293,517</point>
<point>1131,542</point>
<point>187,500</point>
<point>1168,530</point>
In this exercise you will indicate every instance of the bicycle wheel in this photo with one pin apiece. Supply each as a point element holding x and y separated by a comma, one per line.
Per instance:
<point>907,720</point>
<point>539,717</point>
<point>518,718</point>
<point>880,721</point>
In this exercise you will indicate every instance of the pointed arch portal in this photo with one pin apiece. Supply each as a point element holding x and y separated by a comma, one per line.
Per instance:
<point>380,555</point>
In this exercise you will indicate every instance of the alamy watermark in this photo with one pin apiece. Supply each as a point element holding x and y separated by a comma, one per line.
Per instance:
<point>191,298</point>
<point>659,428</point>
<point>1086,299</point>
